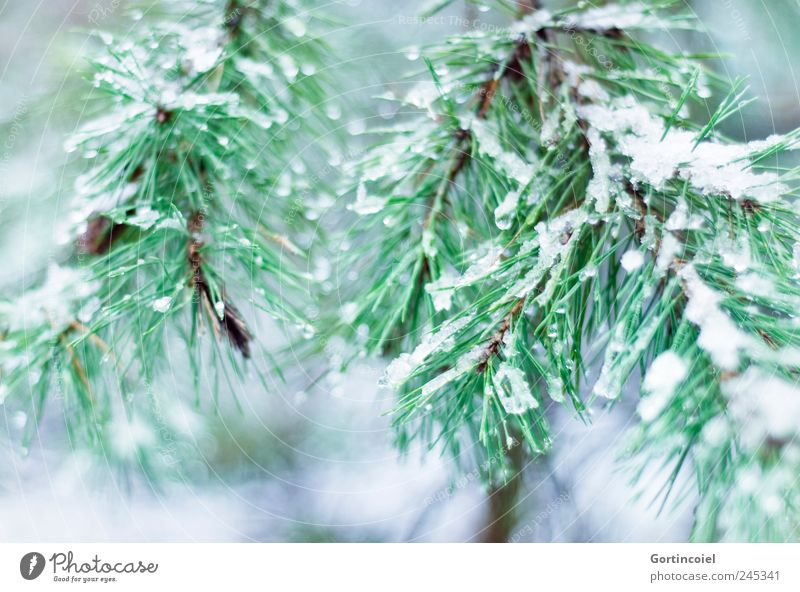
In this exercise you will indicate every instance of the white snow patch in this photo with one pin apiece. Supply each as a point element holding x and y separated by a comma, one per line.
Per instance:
<point>634,15</point>
<point>591,89</point>
<point>599,188</point>
<point>754,284</point>
<point>632,260</point>
<point>513,390</point>
<point>681,219</point>
<point>664,375</point>
<point>533,22</point>
<point>366,204</point>
<point>553,238</point>
<point>711,167</point>
<point>764,406</point>
<point>464,364</point>
<point>671,248</point>
<point>508,162</point>
<point>348,312</point>
<point>719,336</point>
<point>53,303</point>
<point>202,47</point>
<point>162,304</point>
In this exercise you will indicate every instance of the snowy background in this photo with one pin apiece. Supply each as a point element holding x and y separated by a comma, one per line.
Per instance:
<point>312,464</point>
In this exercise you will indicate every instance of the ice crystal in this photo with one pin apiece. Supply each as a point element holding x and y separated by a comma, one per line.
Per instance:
<point>504,213</point>
<point>465,363</point>
<point>442,289</point>
<point>555,388</point>
<point>513,390</point>
<point>162,304</point>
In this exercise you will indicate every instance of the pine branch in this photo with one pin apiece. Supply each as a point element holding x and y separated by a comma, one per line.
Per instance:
<point>497,340</point>
<point>622,229</point>
<point>184,206</point>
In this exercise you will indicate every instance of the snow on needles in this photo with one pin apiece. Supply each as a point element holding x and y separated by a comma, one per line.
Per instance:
<point>514,167</point>
<point>720,337</point>
<point>55,302</point>
<point>553,239</point>
<point>634,15</point>
<point>632,260</point>
<point>765,406</point>
<point>401,369</point>
<point>512,389</point>
<point>442,289</point>
<point>664,375</point>
<point>618,16</point>
<point>711,167</point>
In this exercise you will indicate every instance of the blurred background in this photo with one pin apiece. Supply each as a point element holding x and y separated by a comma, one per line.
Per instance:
<point>310,460</point>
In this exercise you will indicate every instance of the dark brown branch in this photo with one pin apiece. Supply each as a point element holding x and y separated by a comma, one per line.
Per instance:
<point>100,235</point>
<point>493,347</point>
<point>231,324</point>
<point>234,14</point>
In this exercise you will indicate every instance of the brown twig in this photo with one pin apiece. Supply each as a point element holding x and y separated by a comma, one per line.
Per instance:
<point>497,339</point>
<point>100,235</point>
<point>230,323</point>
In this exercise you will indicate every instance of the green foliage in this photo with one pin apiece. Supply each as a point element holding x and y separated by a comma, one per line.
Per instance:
<point>181,214</point>
<point>553,227</point>
<point>547,224</point>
